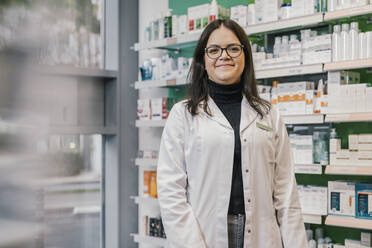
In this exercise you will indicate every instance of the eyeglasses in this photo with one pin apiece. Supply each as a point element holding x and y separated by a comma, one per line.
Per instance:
<point>232,50</point>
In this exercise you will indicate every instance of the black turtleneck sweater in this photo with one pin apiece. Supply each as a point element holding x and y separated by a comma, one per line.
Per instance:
<point>228,99</point>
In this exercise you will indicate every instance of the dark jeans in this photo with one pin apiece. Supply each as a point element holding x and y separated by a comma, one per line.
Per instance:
<point>235,225</point>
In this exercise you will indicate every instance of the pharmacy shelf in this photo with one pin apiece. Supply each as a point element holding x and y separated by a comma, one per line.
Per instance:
<point>348,65</point>
<point>351,222</point>
<point>148,201</point>
<point>312,219</point>
<point>177,42</point>
<point>150,123</point>
<point>87,210</point>
<point>146,162</point>
<point>348,170</point>
<point>174,43</point>
<point>155,44</point>
<point>315,169</point>
<point>303,119</point>
<point>70,71</point>
<point>85,130</point>
<point>349,117</point>
<point>79,179</point>
<point>17,234</point>
<point>153,241</point>
<point>159,83</point>
<point>291,23</point>
<point>289,71</point>
<point>191,37</point>
<point>345,13</point>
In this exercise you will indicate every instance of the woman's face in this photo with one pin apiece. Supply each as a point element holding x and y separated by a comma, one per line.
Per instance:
<point>224,70</point>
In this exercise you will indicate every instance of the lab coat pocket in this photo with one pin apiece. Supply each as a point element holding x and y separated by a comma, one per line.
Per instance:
<point>265,142</point>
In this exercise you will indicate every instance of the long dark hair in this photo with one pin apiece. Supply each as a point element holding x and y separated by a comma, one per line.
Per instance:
<point>198,90</point>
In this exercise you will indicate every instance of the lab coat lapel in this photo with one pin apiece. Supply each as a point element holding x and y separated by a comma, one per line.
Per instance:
<point>248,115</point>
<point>217,114</point>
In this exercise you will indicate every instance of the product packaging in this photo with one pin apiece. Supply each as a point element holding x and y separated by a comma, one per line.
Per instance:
<point>341,198</point>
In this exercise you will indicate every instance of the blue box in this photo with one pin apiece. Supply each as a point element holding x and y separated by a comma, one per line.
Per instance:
<point>363,194</point>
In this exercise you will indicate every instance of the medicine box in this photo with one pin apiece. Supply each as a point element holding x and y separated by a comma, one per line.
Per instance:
<point>143,109</point>
<point>341,198</point>
<point>366,239</point>
<point>239,14</point>
<point>353,142</point>
<point>365,142</point>
<point>336,77</point>
<point>364,201</point>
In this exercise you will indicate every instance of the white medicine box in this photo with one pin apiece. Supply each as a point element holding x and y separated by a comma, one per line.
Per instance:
<point>341,198</point>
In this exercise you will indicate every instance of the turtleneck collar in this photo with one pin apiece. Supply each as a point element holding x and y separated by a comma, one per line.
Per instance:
<point>226,93</point>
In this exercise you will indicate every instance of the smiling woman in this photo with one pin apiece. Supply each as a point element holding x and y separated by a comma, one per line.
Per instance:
<point>224,60</point>
<point>225,170</point>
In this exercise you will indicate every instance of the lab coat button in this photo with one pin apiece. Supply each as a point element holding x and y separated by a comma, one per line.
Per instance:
<point>245,140</point>
<point>249,230</point>
<point>246,170</point>
<point>249,200</point>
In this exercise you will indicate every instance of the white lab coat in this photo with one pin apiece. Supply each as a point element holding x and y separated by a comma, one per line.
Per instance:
<point>195,172</point>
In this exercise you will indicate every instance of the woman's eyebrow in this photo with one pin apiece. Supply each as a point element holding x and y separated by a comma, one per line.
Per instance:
<point>234,43</point>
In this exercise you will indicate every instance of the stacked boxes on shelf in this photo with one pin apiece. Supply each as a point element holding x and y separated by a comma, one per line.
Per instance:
<point>358,154</point>
<point>198,17</point>
<point>154,109</point>
<point>316,49</point>
<point>167,25</point>
<point>290,51</point>
<point>341,198</point>
<point>350,199</point>
<point>313,199</point>
<point>346,94</point>
<point>310,144</point>
<point>164,68</point>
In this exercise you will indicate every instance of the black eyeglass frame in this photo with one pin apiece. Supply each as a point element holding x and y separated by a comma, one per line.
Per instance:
<point>224,48</point>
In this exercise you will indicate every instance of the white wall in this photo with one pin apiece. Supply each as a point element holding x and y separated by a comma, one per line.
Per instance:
<point>149,138</point>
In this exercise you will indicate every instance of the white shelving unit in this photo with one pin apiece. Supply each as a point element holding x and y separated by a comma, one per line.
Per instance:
<point>289,71</point>
<point>146,163</point>
<point>357,11</point>
<point>312,219</point>
<point>71,71</point>
<point>348,117</point>
<point>348,170</point>
<point>159,83</point>
<point>350,222</point>
<point>348,65</point>
<point>79,179</point>
<point>303,119</point>
<point>15,233</point>
<point>285,24</point>
<point>150,123</point>
<point>189,40</point>
<point>155,44</point>
<point>145,200</point>
<point>154,241</point>
<point>315,169</point>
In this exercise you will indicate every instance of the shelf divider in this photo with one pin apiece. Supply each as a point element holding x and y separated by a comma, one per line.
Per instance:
<point>149,240</point>
<point>348,65</point>
<point>348,117</point>
<point>296,22</point>
<point>289,71</point>
<point>345,13</point>
<point>351,222</point>
<point>348,170</point>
